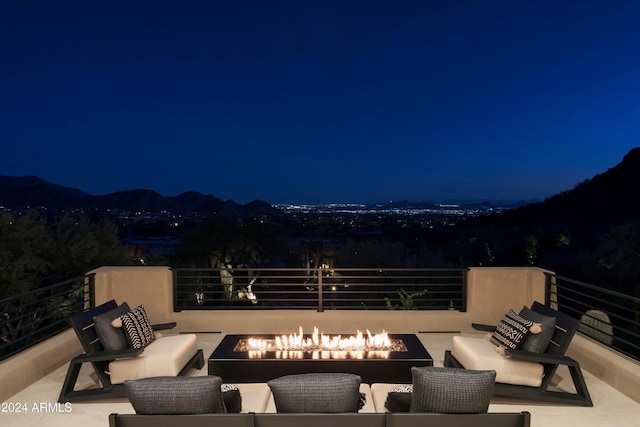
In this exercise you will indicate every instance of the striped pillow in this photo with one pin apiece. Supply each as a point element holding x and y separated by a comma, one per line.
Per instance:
<point>511,331</point>
<point>137,327</point>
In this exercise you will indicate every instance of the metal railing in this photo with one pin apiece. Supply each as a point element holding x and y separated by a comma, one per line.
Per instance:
<point>320,289</point>
<point>34,316</point>
<point>607,316</point>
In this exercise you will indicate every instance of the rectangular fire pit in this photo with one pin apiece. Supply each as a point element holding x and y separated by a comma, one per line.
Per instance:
<point>234,362</point>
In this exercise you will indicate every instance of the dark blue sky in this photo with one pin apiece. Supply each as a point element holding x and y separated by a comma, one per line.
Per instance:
<point>319,101</point>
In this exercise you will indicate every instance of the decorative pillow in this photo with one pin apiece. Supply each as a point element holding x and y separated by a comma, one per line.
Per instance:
<point>232,398</point>
<point>399,398</point>
<point>176,395</point>
<point>317,392</point>
<point>111,338</point>
<point>137,327</point>
<point>511,331</point>
<point>538,343</point>
<point>451,390</point>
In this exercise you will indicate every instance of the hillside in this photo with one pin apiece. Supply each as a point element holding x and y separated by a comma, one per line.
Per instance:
<point>609,198</point>
<point>31,191</point>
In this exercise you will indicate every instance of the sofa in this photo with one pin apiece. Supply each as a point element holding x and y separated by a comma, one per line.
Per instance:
<point>518,419</point>
<point>443,397</point>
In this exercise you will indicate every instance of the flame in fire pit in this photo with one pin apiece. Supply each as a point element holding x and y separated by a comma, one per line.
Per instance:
<point>322,342</point>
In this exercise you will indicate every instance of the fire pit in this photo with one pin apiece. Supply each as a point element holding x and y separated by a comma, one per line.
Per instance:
<point>376,358</point>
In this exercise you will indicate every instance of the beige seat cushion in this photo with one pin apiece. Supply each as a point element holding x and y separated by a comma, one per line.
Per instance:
<point>163,357</point>
<point>255,397</point>
<point>478,353</point>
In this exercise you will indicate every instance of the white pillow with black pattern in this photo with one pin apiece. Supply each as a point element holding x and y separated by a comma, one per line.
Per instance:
<point>512,330</point>
<point>137,327</point>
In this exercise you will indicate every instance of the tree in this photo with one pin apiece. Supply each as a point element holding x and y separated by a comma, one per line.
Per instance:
<point>24,249</point>
<point>80,245</point>
<point>620,257</point>
<point>228,244</point>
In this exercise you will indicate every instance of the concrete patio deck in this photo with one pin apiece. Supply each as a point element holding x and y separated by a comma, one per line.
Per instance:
<point>611,407</point>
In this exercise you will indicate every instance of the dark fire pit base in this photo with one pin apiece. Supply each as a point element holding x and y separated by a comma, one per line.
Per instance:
<point>243,367</point>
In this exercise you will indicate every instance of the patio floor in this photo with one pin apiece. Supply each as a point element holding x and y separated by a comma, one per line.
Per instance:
<point>611,408</point>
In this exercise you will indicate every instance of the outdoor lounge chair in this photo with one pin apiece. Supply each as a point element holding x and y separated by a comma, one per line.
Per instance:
<point>549,360</point>
<point>171,355</point>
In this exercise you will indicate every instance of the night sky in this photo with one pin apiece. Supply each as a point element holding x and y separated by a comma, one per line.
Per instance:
<point>319,101</point>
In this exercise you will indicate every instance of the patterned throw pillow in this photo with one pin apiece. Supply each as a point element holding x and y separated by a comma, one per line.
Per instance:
<point>399,398</point>
<point>137,327</point>
<point>511,331</point>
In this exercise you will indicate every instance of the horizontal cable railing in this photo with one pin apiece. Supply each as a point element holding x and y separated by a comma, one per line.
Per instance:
<point>319,289</point>
<point>607,316</point>
<point>34,316</point>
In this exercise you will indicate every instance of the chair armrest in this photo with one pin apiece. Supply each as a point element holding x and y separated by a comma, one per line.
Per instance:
<point>539,357</point>
<point>163,326</point>
<point>109,355</point>
<point>481,327</point>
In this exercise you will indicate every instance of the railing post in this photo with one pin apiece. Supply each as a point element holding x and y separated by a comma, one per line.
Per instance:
<point>320,307</point>
<point>176,303</point>
<point>465,289</point>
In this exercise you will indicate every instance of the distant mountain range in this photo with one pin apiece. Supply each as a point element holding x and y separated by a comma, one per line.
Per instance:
<point>23,191</point>
<point>612,197</point>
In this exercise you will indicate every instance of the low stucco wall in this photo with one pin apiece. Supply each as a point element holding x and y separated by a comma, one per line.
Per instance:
<point>28,366</point>
<point>617,370</point>
<point>491,292</point>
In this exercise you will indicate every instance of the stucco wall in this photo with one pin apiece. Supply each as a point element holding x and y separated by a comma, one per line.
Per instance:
<point>491,292</point>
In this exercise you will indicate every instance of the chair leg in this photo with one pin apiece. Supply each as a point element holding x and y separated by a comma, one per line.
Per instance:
<point>70,380</point>
<point>69,394</point>
<point>450,361</point>
<point>196,362</point>
<point>580,384</point>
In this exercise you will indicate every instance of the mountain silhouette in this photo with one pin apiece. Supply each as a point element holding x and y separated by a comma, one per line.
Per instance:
<point>22,191</point>
<point>609,198</point>
<point>32,191</point>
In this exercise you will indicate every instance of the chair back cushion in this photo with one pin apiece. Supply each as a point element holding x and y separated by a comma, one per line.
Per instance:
<point>176,395</point>
<point>110,337</point>
<point>316,392</point>
<point>538,343</point>
<point>451,390</point>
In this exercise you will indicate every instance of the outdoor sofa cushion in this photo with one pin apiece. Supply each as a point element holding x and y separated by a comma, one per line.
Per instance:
<point>480,354</point>
<point>163,357</point>
<point>317,392</point>
<point>451,390</point>
<point>176,395</point>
